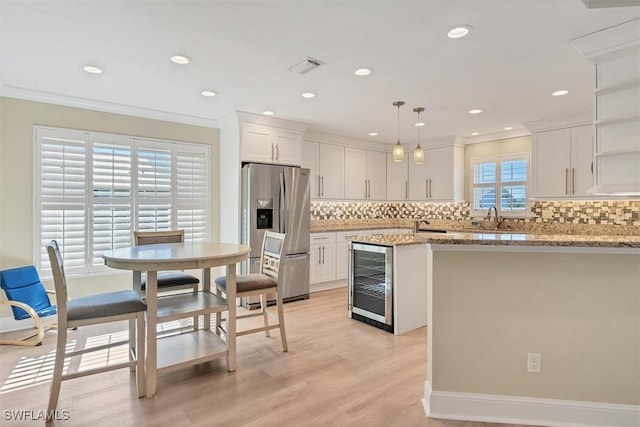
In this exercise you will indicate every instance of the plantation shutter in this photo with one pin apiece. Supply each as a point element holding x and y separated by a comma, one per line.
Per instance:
<point>112,194</point>
<point>513,189</point>
<point>192,191</point>
<point>154,174</point>
<point>62,198</point>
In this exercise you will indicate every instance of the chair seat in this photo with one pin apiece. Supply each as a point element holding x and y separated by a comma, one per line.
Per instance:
<point>248,282</point>
<point>104,305</point>
<point>172,278</point>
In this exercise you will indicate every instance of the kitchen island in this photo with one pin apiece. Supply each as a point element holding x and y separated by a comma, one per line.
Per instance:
<point>494,298</point>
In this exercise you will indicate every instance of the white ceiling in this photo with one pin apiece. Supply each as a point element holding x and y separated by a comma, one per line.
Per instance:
<point>518,53</point>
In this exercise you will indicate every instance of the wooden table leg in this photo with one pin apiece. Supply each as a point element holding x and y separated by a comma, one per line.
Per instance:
<point>152,344</point>
<point>206,287</point>
<point>231,319</point>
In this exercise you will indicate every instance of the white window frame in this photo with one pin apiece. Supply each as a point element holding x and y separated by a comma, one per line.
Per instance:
<point>200,205</point>
<point>526,212</point>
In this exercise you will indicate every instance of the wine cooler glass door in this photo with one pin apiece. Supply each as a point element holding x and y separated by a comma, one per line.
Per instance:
<point>372,282</point>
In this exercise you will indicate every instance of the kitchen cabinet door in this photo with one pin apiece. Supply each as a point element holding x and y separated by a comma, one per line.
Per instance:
<point>256,144</point>
<point>342,260</point>
<point>397,178</point>
<point>331,171</point>
<point>310,161</point>
<point>418,179</point>
<point>441,173</point>
<point>552,163</point>
<point>581,160</point>
<point>287,148</point>
<point>323,263</point>
<point>355,173</point>
<point>377,175</point>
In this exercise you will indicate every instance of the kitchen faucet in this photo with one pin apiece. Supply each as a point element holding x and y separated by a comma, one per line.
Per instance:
<point>496,221</point>
<point>418,223</point>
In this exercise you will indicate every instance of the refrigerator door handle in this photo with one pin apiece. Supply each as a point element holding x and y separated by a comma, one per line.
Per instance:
<point>282,208</point>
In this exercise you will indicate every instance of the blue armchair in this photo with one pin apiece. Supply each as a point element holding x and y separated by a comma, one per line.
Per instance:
<point>28,298</point>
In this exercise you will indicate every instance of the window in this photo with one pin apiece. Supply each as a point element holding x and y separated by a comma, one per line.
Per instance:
<point>94,189</point>
<point>501,182</point>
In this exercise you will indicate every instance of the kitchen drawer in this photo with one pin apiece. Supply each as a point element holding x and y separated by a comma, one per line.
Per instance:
<point>320,238</point>
<point>346,236</point>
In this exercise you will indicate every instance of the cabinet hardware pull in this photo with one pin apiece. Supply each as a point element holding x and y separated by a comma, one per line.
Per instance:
<point>429,187</point>
<point>319,255</point>
<point>277,152</point>
<point>566,181</point>
<point>318,186</point>
<point>426,188</point>
<point>365,189</point>
<point>573,180</point>
<point>406,189</point>
<point>322,183</point>
<point>272,157</point>
<point>323,255</point>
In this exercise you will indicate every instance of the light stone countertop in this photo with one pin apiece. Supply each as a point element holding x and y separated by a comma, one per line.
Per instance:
<point>503,239</point>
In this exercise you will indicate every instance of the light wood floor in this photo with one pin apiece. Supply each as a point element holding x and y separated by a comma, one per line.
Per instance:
<point>338,372</point>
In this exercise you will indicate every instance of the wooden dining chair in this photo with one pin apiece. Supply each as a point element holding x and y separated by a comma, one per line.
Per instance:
<point>91,310</point>
<point>262,284</point>
<point>167,280</point>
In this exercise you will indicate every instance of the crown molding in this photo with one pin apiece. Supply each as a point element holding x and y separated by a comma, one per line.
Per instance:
<point>105,107</point>
<point>585,118</point>
<point>261,119</point>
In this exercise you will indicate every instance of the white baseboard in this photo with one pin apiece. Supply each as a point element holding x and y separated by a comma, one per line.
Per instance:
<point>323,286</point>
<point>527,410</point>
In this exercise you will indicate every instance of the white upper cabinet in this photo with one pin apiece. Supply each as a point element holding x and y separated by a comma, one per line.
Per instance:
<point>326,162</point>
<point>562,163</point>
<point>615,51</point>
<point>440,177</point>
<point>397,178</point>
<point>266,144</point>
<point>365,174</point>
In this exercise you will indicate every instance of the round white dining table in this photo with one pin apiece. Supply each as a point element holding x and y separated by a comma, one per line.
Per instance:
<point>179,256</point>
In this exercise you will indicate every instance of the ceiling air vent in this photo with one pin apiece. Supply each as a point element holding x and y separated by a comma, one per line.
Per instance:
<point>306,65</point>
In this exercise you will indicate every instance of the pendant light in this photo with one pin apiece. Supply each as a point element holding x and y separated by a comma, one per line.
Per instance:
<point>398,149</point>
<point>418,153</point>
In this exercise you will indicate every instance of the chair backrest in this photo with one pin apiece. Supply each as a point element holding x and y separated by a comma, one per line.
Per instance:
<point>154,237</point>
<point>272,245</point>
<point>60,281</point>
<point>23,285</point>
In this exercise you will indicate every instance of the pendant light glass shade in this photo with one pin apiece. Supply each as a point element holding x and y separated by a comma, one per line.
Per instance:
<point>418,153</point>
<point>398,152</point>
<point>398,149</point>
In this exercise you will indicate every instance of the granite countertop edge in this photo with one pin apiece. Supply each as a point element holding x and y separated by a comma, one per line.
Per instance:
<point>503,239</point>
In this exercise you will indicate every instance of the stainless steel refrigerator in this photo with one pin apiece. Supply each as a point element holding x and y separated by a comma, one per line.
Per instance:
<point>277,198</point>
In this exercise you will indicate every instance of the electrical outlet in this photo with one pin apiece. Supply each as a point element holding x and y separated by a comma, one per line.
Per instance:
<point>534,362</point>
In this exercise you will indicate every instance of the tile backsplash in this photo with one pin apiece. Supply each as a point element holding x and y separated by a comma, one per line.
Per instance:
<point>388,210</point>
<point>590,212</point>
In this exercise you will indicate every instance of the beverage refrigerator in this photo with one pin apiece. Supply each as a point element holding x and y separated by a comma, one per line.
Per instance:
<point>277,198</point>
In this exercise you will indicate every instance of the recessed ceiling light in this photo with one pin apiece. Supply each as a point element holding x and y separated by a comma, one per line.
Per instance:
<point>208,93</point>
<point>373,133</point>
<point>268,113</point>
<point>308,95</point>
<point>459,31</point>
<point>180,59</point>
<point>363,71</point>
<point>560,92</point>
<point>475,111</point>
<point>475,134</point>
<point>508,128</point>
<point>419,124</point>
<point>92,69</point>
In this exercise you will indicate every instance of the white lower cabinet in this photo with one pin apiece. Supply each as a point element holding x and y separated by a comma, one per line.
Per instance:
<point>330,253</point>
<point>323,257</point>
